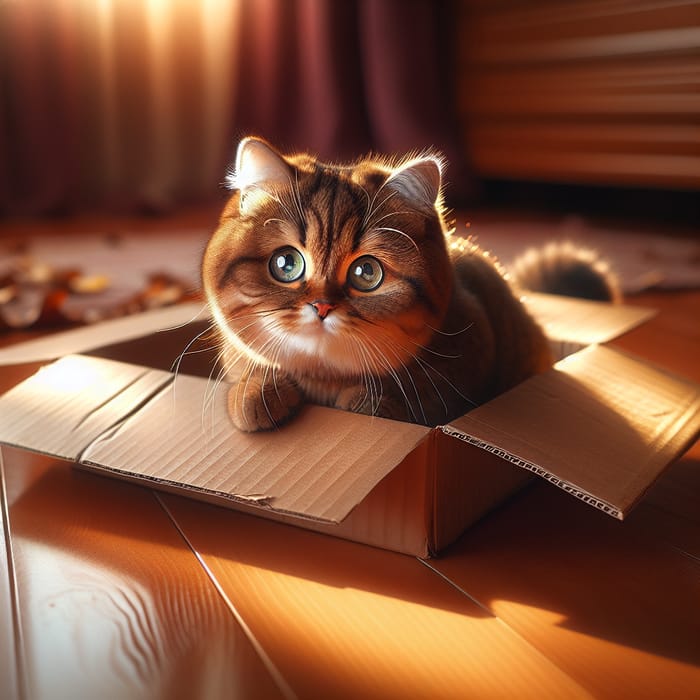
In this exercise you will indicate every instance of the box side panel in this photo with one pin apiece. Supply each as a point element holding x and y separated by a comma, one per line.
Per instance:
<point>392,516</point>
<point>319,466</point>
<point>468,483</point>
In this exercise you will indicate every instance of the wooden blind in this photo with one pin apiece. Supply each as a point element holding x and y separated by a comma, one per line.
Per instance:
<point>582,91</point>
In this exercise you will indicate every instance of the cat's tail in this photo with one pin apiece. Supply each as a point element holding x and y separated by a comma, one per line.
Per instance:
<point>567,269</point>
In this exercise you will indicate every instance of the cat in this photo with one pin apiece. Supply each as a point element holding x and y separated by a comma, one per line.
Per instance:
<point>342,285</point>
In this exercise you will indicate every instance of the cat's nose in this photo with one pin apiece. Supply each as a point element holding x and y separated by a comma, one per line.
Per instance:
<point>323,308</point>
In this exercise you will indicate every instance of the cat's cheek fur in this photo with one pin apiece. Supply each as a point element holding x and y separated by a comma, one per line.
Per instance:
<point>256,403</point>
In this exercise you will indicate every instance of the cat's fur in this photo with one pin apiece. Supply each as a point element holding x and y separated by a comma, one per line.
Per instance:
<point>442,331</point>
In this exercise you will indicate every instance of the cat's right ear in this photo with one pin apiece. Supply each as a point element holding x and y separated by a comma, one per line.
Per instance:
<point>259,171</point>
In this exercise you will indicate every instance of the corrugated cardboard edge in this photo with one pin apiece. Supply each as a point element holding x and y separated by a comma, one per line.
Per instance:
<point>600,403</point>
<point>466,483</point>
<point>535,469</point>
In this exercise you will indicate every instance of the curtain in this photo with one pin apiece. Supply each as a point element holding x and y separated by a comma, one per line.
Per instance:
<point>137,105</point>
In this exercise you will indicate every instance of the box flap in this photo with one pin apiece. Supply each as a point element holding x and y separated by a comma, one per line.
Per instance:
<point>175,431</point>
<point>600,425</point>
<point>573,321</point>
<point>65,405</point>
<point>583,322</point>
<point>79,340</point>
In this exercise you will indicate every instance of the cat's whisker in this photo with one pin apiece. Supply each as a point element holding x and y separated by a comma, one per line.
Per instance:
<point>275,366</point>
<point>224,363</point>
<point>175,366</point>
<point>368,377</point>
<point>438,393</point>
<point>210,393</point>
<point>257,312</point>
<point>388,367</point>
<point>272,348</point>
<point>185,323</point>
<point>427,349</point>
<point>423,362</point>
<point>390,345</point>
<point>413,383</point>
<point>373,384</point>
<point>450,334</point>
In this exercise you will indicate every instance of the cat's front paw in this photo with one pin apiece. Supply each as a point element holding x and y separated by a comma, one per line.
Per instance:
<point>355,400</point>
<point>359,400</point>
<point>255,404</point>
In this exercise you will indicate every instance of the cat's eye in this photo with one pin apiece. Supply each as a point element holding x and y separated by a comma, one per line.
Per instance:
<point>287,264</point>
<point>366,273</point>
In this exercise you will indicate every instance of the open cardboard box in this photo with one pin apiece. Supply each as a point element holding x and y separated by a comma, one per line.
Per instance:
<point>601,425</point>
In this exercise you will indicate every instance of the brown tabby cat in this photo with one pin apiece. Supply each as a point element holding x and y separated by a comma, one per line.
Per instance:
<point>341,285</point>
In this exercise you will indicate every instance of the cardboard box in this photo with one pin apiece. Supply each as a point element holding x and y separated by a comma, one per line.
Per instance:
<point>601,425</point>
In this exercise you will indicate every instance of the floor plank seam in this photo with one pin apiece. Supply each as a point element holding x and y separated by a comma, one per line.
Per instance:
<point>276,674</point>
<point>501,621</point>
<point>20,661</point>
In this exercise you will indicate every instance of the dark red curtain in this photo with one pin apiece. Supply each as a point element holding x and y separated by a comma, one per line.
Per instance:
<point>131,107</point>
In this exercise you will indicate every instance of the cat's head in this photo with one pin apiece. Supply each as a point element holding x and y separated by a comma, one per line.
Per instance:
<point>329,270</point>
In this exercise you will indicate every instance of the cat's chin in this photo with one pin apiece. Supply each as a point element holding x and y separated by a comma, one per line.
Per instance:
<point>319,349</point>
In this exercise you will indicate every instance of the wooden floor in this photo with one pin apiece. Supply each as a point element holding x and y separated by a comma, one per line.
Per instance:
<point>115,591</point>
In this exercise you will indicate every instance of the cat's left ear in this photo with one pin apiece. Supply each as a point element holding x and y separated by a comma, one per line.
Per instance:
<point>259,171</point>
<point>418,180</point>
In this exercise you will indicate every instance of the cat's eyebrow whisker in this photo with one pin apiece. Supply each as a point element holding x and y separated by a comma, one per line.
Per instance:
<point>388,216</point>
<point>296,198</point>
<point>402,233</point>
<point>283,205</point>
<point>372,210</point>
<point>369,205</point>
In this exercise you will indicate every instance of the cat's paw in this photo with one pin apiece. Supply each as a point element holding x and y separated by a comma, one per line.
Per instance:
<point>355,400</point>
<point>256,405</point>
<point>359,400</point>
